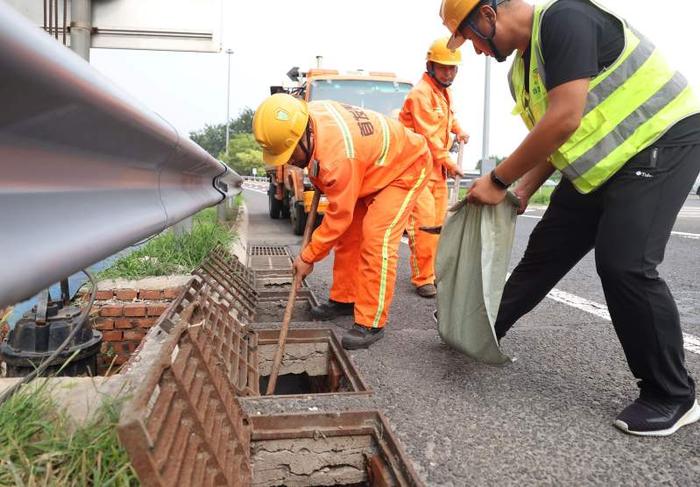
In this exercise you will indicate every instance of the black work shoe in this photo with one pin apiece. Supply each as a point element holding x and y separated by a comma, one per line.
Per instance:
<point>656,418</point>
<point>332,309</point>
<point>427,291</point>
<point>361,337</point>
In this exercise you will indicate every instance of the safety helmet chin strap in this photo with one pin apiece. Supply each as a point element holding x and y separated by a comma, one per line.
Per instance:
<point>305,144</point>
<point>488,38</point>
<point>431,71</point>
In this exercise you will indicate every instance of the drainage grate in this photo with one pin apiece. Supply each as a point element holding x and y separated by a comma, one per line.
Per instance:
<point>184,425</point>
<point>230,345</point>
<point>221,255</point>
<point>231,282</point>
<point>268,250</point>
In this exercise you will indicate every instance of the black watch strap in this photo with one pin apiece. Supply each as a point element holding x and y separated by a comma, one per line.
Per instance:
<point>498,181</point>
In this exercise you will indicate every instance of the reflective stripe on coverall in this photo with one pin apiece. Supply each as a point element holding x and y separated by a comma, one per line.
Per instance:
<point>372,170</point>
<point>427,111</point>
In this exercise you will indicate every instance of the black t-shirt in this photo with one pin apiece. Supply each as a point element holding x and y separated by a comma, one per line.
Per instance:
<point>578,41</point>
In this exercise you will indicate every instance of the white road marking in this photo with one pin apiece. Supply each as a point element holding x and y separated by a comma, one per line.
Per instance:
<point>692,236</point>
<point>689,212</point>
<point>691,342</point>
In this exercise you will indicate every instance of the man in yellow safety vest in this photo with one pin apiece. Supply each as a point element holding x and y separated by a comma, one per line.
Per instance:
<point>622,127</point>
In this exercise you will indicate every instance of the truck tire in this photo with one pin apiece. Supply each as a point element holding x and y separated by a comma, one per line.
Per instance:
<point>298,218</point>
<point>285,206</point>
<point>275,206</point>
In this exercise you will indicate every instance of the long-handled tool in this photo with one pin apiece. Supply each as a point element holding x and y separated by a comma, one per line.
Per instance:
<point>277,363</point>
<point>454,196</point>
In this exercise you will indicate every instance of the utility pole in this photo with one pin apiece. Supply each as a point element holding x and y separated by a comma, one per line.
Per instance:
<point>228,98</point>
<point>81,27</point>
<point>486,164</point>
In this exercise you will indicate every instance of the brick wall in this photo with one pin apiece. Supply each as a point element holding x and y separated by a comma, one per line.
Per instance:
<point>124,317</point>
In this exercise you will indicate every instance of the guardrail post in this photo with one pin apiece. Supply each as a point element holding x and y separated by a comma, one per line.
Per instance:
<point>183,227</point>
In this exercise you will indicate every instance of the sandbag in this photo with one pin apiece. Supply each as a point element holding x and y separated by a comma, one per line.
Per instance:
<point>471,265</point>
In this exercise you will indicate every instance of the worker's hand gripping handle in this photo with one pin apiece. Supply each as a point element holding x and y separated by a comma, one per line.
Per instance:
<point>454,197</point>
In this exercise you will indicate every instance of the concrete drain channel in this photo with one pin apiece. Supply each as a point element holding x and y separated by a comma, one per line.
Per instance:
<point>185,424</point>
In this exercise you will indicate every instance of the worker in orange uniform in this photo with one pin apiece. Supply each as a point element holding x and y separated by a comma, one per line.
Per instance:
<point>428,112</point>
<point>371,170</point>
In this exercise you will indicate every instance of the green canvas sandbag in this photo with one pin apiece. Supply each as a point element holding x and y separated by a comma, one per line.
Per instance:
<point>471,265</point>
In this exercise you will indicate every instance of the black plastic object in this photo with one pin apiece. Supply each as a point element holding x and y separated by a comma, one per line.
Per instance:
<point>35,337</point>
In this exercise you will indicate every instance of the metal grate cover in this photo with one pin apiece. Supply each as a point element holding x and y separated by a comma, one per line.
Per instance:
<point>224,276</point>
<point>184,425</point>
<point>268,250</point>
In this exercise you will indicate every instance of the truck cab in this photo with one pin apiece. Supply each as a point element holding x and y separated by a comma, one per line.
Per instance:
<point>290,191</point>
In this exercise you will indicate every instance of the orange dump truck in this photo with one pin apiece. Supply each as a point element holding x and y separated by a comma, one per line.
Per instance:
<point>290,190</point>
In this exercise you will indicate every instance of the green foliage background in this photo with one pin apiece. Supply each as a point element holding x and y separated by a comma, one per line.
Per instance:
<point>244,154</point>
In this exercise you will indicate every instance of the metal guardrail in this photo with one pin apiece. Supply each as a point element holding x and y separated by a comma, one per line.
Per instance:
<point>260,179</point>
<point>85,171</point>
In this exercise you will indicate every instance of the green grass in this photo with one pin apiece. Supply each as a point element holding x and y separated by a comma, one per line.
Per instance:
<point>38,446</point>
<point>542,195</point>
<point>167,254</point>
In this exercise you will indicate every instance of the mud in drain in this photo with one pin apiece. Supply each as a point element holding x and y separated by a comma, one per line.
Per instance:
<point>348,449</point>
<point>272,302</point>
<point>314,363</point>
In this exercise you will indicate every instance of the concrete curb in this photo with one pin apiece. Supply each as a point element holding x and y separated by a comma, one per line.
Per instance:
<point>239,247</point>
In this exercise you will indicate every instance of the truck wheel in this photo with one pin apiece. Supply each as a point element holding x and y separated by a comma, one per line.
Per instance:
<point>275,206</point>
<point>285,208</point>
<point>298,217</point>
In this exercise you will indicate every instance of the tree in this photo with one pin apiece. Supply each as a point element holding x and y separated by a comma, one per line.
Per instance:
<point>212,138</point>
<point>243,124</point>
<point>244,154</point>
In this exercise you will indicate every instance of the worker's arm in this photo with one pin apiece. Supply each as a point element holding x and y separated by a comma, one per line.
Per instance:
<point>341,184</point>
<point>531,182</point>
<point>560,121</point>
<point>427,123</point>
<point>456,129</point>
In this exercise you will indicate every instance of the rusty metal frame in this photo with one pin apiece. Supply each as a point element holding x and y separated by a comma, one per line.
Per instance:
<point>184,425</point>
<point>310,335</point>
<point>232,345</point>
<point>392,468</point>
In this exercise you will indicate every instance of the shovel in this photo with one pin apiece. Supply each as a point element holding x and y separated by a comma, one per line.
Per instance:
<point>454,202</point>
<point>277,363</point>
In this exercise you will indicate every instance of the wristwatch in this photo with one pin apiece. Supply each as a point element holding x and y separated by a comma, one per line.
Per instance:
<point>498,181</point>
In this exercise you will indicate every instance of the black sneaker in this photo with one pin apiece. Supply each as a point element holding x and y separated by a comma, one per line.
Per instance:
<point>332,309</point>
<point>361,337</point>
<point>656,418</point>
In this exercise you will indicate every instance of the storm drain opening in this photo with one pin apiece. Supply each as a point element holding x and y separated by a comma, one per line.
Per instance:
<point>272,265</point>
<point>272,303</point>
<point>314,363</point>
<point>348,449</point>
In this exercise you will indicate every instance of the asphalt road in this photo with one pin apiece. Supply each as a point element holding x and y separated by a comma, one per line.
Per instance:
<point>547,418</point>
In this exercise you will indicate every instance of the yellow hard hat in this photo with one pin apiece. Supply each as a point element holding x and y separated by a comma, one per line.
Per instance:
<point>439,53</point>
<point>453,12</point>
<point>278,125</point>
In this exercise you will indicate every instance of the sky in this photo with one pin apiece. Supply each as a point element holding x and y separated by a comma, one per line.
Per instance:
<point>268,37</point>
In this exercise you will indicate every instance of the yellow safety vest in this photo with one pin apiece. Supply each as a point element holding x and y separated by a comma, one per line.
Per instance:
<point>629,106</point>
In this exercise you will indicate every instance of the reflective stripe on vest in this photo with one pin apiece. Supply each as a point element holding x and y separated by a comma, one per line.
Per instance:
<point>344,129</point>
<point>386,141</point>
<point>629,106</point>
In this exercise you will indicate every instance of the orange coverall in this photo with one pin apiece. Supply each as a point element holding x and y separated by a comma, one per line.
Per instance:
<point>372,170</point>
<point>427,111</point>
